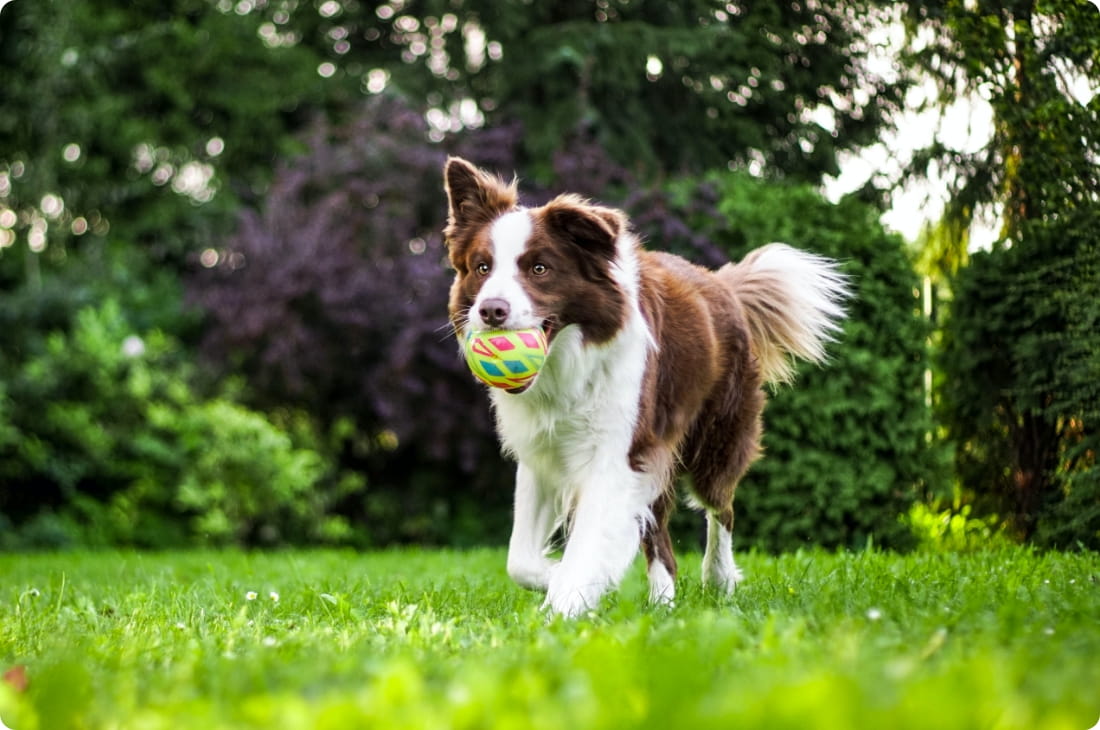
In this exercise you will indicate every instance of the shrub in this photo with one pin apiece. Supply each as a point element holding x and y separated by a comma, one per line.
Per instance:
<point>1020,391</point>
<point>103,430</point>
<point>953,528</point>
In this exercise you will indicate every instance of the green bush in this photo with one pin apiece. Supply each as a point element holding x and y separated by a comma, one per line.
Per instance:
<point>105,440</point>
<point>953,528</point>
<point>1020,390</point>
<point>848,446</point>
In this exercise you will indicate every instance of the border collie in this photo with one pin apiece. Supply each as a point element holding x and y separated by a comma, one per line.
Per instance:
<point>656,366</point>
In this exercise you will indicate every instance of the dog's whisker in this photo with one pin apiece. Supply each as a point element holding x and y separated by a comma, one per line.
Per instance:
<point>449,329</point>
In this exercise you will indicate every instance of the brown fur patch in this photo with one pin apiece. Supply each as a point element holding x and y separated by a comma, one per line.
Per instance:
<point>576,242</point>
<point>702,399</point>
<point>475,198</point>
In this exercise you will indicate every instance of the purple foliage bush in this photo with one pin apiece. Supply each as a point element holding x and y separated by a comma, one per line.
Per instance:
<point>332,296</point>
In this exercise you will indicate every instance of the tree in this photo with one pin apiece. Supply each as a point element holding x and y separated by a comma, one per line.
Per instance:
<point>1021,380</point>
<point>1037,64</point>
<point>1020,341</point>
<point>146,120</point>
<point>133,137</point>
<point>665,88</point>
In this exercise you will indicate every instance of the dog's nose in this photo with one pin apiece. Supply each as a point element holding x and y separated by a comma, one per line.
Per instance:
<point>494,311</point>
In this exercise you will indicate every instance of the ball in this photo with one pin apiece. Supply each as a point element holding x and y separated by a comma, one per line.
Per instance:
<point>508,359</point>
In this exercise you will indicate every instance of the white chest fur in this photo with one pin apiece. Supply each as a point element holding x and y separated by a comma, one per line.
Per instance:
<point>571,433</point>
<point>581,412</point>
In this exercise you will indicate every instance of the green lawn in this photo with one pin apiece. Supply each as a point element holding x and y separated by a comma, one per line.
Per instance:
<point>438,639</point>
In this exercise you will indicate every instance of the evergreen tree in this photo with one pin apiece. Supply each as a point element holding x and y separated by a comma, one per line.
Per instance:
<point>1022,348</point>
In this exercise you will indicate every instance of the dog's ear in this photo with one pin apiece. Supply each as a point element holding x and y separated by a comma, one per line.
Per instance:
<point>474,197</point>
<point>592,228</point>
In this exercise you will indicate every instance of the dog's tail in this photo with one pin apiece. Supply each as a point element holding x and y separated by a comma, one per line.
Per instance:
<point>793,302</point>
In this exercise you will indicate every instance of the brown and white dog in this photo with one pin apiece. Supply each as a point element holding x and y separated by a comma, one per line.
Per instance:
<point>655,366</point>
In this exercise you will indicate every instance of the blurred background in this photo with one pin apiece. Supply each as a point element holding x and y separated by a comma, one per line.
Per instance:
<point>223,288</point>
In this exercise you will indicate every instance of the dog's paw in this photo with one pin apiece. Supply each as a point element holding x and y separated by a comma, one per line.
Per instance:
<point>662,586</point>
<point>567,605</point>
<point>722,576</point>
<point>532,573</point>
<point>569,598</point>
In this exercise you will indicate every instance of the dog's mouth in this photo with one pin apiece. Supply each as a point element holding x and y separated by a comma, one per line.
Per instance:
<point>550,331</point>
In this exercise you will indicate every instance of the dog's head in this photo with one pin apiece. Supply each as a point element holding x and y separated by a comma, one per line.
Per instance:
<point>515,267</point>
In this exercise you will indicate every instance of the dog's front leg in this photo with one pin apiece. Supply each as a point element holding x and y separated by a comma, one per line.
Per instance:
<point>604,538</point>
<point>533,523</point>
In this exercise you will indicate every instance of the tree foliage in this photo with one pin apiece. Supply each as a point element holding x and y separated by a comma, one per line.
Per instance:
<point>284,158</point>
<point>1037,64</point>
<point>670,87</point>
<point>142,121</point>
<point>1020,352</point>
<point>1026,431</point>
<point>127,134</point>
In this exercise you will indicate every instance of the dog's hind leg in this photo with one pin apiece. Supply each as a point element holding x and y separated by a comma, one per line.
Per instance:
<point>657,545</point>
<point>719,569</point>
<point>719,454</point>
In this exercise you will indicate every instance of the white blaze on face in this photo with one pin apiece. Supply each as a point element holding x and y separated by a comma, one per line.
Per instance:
<point>509,235</point>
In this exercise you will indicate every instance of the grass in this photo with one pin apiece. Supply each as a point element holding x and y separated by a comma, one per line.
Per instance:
<point>439,639</point>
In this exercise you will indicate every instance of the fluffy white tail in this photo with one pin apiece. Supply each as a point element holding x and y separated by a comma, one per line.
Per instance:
<point>793,303</point>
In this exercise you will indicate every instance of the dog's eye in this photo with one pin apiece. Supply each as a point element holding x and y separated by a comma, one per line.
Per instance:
<point>540,269</point>
<point>483,269</point>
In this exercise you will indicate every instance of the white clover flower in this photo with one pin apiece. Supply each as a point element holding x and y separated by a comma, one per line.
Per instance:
<point>874,614</point>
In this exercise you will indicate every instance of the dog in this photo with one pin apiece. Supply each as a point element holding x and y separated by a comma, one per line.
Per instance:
<point>655,367</point>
